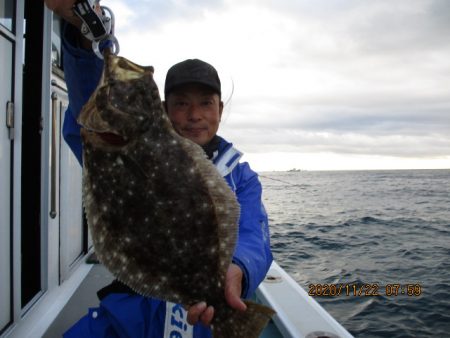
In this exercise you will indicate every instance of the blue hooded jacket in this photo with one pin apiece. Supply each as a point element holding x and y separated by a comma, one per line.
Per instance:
<point>131,315</point>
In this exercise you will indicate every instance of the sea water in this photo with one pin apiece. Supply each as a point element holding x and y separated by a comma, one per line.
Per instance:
<point>372,247</point>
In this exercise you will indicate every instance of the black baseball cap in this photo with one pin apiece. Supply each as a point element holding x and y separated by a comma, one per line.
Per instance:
<point>192,71</point>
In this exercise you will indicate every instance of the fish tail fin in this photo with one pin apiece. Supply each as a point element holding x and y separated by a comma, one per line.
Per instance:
<point>237,324</point>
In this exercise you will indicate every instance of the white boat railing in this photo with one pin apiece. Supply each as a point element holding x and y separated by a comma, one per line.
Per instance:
<point>298,314</point>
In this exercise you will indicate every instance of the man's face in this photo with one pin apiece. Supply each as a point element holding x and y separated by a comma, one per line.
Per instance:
<point>195,111</point>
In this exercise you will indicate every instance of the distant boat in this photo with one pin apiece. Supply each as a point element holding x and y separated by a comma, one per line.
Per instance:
<point>294,170</point>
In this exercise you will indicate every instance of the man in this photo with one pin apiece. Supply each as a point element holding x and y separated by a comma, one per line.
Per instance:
<point>193,104</point>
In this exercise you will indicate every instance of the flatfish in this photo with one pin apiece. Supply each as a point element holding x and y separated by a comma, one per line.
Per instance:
<point>162,219</point>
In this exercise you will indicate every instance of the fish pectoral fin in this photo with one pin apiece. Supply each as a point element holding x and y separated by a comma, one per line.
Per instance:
<point>238,324</point>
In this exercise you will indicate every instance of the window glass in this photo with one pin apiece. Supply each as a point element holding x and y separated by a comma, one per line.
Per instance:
<point>56,42</point>
<point>6,13</point>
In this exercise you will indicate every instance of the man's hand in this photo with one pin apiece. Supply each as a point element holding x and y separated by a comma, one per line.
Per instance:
<point>54,5</point>
<point>64,9</point>
<point>233,289</point>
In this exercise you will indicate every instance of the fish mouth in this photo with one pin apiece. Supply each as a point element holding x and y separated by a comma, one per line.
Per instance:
<point>109,137</point>
<point>112,138</point>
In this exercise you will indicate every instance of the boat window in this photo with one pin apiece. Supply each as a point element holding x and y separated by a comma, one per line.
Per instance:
<point>6,13</point>
<point>56,42</point>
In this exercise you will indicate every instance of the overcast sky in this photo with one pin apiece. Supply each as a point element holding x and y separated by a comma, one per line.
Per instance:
<point>322,84</point>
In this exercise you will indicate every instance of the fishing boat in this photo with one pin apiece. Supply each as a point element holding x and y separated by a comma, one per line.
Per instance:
<point>45,282</point>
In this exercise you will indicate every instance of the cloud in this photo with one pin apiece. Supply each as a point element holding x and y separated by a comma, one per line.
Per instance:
<point>326,77</point>
<point>154,13</point>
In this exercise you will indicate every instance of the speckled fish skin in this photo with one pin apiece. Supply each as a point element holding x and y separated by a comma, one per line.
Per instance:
<point>162,219</point>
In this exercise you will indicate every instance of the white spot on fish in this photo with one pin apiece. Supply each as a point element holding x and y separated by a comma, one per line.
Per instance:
<point>119,160</point>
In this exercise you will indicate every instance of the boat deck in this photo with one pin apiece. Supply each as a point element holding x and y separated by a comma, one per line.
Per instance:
<point>298,315</point>
<point>83,298</point>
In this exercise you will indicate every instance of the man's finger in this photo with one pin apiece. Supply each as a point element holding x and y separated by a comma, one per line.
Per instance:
<point>233,288</point>
<point>194,312</point>
<point>207,316</point>
<point>233,299</point>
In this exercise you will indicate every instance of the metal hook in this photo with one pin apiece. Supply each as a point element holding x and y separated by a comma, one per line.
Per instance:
<point>115,48</point>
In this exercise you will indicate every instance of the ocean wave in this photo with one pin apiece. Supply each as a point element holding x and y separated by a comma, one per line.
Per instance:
<point>387,227</point>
